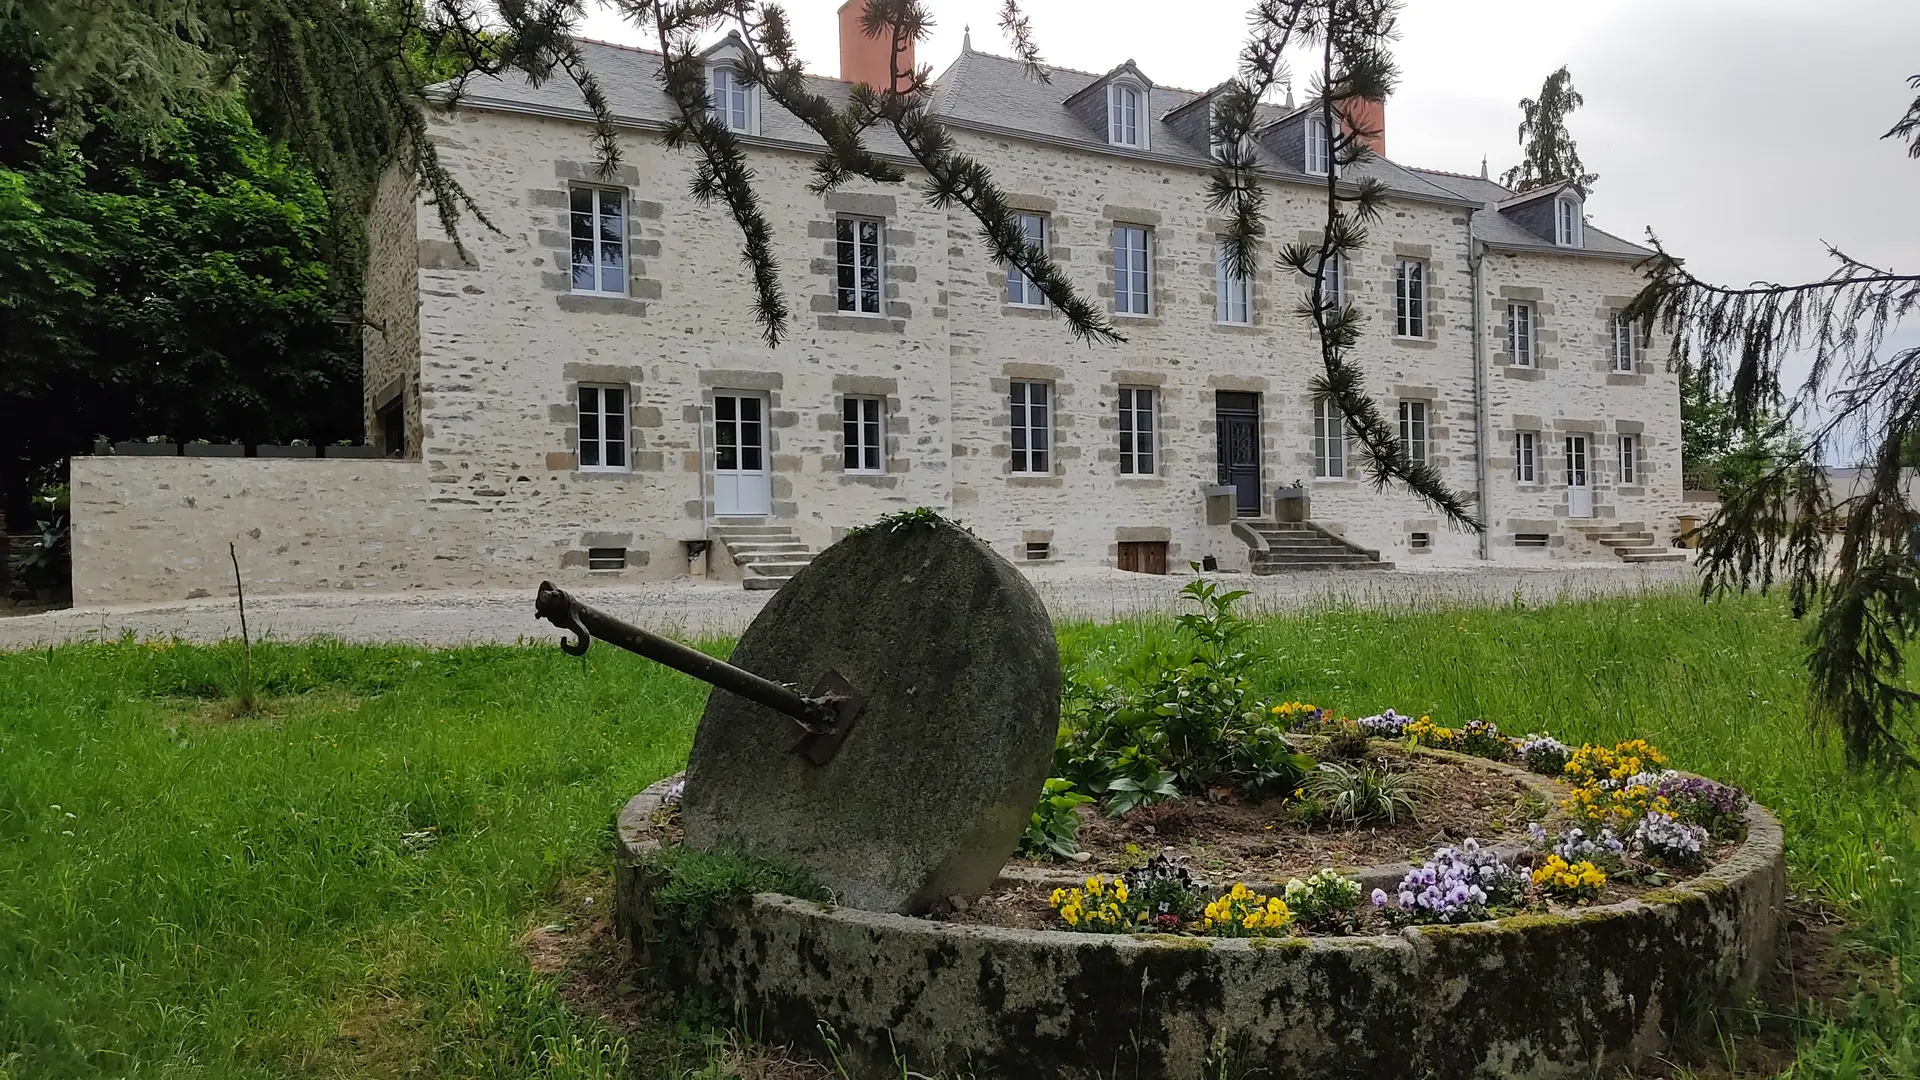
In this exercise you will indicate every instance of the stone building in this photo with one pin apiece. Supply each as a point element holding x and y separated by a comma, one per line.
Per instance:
<point>583,391</point>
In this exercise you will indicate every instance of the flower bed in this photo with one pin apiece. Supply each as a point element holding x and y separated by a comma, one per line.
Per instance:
<point>1579,988</point>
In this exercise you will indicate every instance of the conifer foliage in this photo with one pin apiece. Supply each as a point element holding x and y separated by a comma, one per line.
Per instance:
<point>1551,156</point>
<point>1851,561</point>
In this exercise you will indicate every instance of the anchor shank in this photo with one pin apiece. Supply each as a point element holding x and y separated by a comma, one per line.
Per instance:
<point>554,605</point>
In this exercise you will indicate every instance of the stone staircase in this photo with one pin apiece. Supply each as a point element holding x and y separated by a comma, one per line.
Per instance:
<point>768,555</point>
<point>1631,542</point>
<point>1283,547</point>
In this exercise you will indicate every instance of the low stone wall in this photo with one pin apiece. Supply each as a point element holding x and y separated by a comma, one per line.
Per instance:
<point>1530,996</point>
<point>151,529</point>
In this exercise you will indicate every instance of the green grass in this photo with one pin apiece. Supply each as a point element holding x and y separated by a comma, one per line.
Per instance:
<point>339,885</point>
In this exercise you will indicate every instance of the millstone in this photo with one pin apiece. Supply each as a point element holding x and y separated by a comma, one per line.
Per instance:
<point>954,655</point>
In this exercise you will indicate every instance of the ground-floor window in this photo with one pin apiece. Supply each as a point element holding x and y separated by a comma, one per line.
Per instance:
<point>1413,430</point>
<point>1032,426</point>
<point>603,427</point>
<point>1526,457</point>
<point>1137,426</point>
<point>1629,460</point>
<point>862,432</point>
<point>1329,440</point>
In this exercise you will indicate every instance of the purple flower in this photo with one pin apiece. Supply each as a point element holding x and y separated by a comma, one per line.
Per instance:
<point>1379,898</point>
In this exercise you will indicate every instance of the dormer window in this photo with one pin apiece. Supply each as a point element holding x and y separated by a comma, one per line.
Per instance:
<point>1566,222</point>
<point>1319,157</point>
<point>734,100</point>
<point>1123,115</point>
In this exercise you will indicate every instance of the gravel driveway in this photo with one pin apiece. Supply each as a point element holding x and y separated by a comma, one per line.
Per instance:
<point>685,607</point>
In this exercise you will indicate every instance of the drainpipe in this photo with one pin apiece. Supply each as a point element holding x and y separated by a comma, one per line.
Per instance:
<point>1474,255</point>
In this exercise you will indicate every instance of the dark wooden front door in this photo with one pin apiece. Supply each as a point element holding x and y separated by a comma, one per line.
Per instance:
<point>1238,417</point>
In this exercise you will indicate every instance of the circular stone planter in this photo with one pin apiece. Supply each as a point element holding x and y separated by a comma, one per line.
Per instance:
<point>1542,996</point>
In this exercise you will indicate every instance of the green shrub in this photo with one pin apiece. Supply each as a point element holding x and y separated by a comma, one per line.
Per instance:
<point>1359,793</point>
<point>1054,829</point>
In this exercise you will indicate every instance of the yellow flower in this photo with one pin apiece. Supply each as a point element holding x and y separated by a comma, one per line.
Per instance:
<point>1120,891</point>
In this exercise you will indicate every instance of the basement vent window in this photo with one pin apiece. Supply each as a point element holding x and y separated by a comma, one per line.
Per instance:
<point>1530,540</point>
<point>1420,541</point>
<point>1038,550</point>
<point>606,558</point>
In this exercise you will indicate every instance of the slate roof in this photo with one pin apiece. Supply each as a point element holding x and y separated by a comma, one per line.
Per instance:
<point>993,94</point>
<point>1497,230</point>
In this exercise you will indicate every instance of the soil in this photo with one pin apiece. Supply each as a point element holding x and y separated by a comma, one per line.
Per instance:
<point>1228,841</point>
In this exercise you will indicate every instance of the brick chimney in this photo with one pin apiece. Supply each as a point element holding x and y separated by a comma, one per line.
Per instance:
<point>1371,115</point>
<point>866,59</point>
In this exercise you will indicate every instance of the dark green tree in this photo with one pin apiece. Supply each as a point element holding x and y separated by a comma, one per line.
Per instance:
<point>1852,562</point>
<point>1550,156</point>
<point>169,282</point>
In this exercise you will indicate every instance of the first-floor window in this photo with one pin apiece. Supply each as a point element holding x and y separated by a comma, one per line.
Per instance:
<point>1329,440</point>
<point>1413,430</point>
<point>1520,335</point>
<point>1234,292</point>
<point>1032,426</point>
<point>861,432</point>
<point>1526,457</point>
<point>1130,284</point>
<point>599,240</point>
<point>858,244</point>
<point>1629,460</point>
<point>1136,431</point>
<point>1620,343</point>
<point>1021,289</point>
<point>603,427</point>
<point>1410,299</point>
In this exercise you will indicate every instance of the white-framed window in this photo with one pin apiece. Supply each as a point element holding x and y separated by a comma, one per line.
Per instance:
<point>1137,431</point>
<point>599,235</point>
<point>1629,460</point>
<point>1410,299</point>
<point>1123,115</point>
<point>1132,289</point>
<point>1526,457</point>
<point>859,266</point>
<point>1032,427</point>
<point>733,100</point>
<point>1021,289</point>
<point>1331,289</point>
<point>1621,346</point>
<point>603,428</point>
<point>1233,292</point>
<point>1329,440</point>
<point>1319,152</point>
<point>1520,335</point>
<point>1413,430</point>
<point>863,434</point>
<point>1566,222</point>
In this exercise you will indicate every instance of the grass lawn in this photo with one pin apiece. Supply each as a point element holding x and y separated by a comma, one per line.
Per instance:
<point>344,884</point>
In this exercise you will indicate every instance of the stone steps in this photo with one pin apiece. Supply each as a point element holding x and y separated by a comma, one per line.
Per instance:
<point>1632,543</point>
<point>1287,547</point>
<point>768,555</point>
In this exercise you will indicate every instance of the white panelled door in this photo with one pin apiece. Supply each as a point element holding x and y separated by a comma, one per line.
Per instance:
<point>1579,478</point>
<point>741,486</point>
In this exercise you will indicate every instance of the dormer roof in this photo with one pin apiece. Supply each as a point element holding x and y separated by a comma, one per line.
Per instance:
<point>729,49</point>
<point>1128,69</point>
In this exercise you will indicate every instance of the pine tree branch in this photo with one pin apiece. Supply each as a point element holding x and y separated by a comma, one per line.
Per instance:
<point>1019,31</point>
<point>1908,127</point>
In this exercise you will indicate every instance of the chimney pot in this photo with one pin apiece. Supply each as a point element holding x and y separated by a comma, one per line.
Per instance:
<point>1363,116</point>
<point>868,59</point>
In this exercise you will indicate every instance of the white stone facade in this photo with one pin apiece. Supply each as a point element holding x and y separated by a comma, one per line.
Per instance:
<point>489,349</point>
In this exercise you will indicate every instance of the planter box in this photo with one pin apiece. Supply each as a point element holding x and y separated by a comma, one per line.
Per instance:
<point>1219,500</point>
<point>216,450</point>
<point>147,449</point>
<point>1292,505</point>
<point>286,451</point>
<point>351,452</point>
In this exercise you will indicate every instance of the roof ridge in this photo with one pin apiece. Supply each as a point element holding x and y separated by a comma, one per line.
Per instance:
<point>805,73</point>
<point>1461,175</point>
<point>1078,71</point>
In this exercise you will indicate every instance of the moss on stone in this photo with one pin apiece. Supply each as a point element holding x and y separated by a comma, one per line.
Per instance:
<point>1534,920</point>
<point>1278,943</point>
<point>1667,896</point>
<point>1173,941</point>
